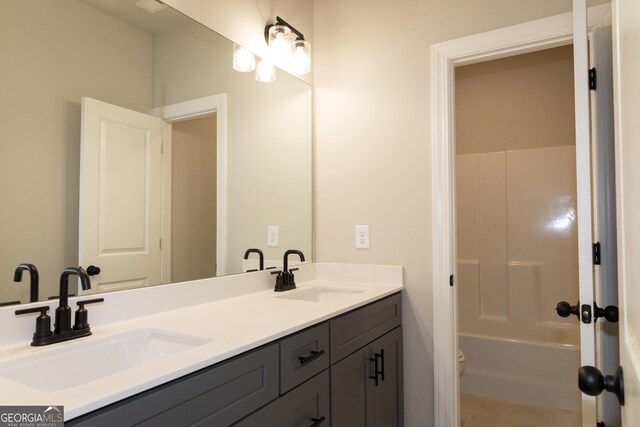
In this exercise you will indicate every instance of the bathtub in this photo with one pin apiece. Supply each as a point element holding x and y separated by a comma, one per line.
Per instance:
<point>526,372</point>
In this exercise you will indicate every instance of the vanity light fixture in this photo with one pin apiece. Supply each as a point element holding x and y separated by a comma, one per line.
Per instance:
<point>288,46</point>
<point>243,59</point>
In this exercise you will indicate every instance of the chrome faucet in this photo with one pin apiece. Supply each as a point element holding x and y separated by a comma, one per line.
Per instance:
<point>33,274</point>
<point>62,330</point>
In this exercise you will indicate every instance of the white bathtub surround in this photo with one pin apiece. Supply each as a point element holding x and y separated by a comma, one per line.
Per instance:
<point>526,372</point>
<point>517,243</point>
<point>232,314</point>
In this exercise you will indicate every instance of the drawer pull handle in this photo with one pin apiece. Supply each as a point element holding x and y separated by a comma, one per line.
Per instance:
<point>378,367</point>
<point>317,421</point>
<point>313,356</point>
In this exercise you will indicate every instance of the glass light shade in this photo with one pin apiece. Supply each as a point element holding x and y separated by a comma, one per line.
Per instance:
<point>243,59</point>
<point>279,44</point>
<point>265,71</point>
<point>301,57</point>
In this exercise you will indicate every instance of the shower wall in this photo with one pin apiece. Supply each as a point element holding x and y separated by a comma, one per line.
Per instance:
<point>517,243</point>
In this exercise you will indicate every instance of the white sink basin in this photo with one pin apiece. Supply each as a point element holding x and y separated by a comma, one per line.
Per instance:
<point>321,294</point>
<point>81,362</point>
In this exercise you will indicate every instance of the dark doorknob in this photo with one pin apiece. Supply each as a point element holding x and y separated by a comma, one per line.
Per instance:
<point>92,270</point>
<point>592,382</point>
<point>610,313</point>
<point>564,309</point>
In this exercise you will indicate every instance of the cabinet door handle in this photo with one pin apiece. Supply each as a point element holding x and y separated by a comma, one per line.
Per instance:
<point>374,359</point>
<point>313,356</point>
<point>378,367</point>
<point>317,421</point>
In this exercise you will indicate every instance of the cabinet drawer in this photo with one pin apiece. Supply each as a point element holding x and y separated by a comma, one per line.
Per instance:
<point>304,406</point>
<point>218,395</point>
<point>303,355</point>
<point>358,328</point>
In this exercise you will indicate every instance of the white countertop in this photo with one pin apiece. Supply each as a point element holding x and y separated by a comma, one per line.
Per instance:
<point>246,317</point>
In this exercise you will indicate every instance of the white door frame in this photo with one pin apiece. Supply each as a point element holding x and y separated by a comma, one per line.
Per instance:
<point>531,36</point>
<point>186,110</point>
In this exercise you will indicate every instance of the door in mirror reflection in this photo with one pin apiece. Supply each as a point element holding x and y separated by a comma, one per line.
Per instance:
<point>120,196</point>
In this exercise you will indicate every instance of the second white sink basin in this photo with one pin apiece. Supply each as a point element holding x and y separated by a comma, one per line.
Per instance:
<point>322,294</point>
<point>81,362</point>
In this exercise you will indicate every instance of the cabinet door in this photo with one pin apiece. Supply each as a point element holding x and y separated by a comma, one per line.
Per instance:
<point>352,390</point>
<point>387,395</point>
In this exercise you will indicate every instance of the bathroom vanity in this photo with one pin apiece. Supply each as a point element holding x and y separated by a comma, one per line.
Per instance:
<point>329,352</point>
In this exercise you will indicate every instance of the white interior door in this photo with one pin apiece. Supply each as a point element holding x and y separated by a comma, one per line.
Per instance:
<point>120,196</point>
<point>626,24</point>
<point>583,168</point>
<point>606,272</point>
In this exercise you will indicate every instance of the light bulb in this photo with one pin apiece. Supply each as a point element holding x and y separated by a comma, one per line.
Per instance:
<point>243,59</point>
<point>301,57</point>
<point>279,44</point>
<point>265,71</point>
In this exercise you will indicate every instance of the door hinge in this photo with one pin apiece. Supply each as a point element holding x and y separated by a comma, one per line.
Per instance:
<point>160,243</point>
<point>162,148</point>
<point>451,280</point>
<point>592,79</point>
<point>596,253</point>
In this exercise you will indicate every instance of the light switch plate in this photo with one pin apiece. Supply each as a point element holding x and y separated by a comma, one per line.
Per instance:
<point>362,236</point>
<point>272,235</point>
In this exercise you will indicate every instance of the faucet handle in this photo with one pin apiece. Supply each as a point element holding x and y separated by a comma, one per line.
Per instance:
<point>43,322</point>
<point>82,315</point>
<point>279,280</point>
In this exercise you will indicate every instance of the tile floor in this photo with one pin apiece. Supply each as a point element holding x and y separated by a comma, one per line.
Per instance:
<point>478,411</point>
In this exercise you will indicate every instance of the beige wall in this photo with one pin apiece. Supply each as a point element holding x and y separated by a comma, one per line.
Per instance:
<point>51,58</point>
<point>514,103</point>
<point>193,199</point>
<point>372,149</point>
<point>268,140</point>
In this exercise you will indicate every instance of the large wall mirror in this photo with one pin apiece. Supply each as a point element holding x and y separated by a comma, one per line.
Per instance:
<point>127,135</point>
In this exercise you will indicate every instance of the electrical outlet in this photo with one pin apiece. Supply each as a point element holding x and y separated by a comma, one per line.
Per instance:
<point>362,236</point>
<point>272,235</point>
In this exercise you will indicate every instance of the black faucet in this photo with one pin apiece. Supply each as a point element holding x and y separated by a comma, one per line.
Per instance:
<point>285,280</point>
<point>62,328</point>
<point>35,278</point>
<point>63,312</point>
<point>260,254</point>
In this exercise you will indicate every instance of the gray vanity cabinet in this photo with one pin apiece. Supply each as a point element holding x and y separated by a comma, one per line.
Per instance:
<point>357,397</point>
<point>322,376</point>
